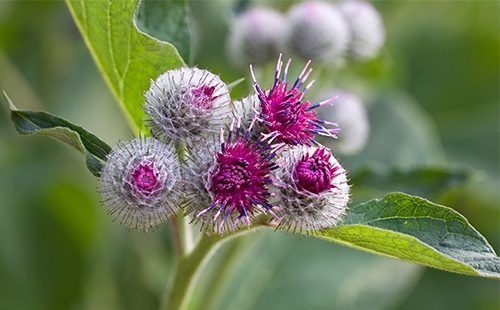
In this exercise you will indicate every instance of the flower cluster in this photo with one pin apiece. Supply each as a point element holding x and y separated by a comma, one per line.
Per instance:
<point>322,31</point>
<point>225,163</point>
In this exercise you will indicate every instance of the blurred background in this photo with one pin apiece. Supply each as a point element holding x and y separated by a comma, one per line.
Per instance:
<point>432,95</point>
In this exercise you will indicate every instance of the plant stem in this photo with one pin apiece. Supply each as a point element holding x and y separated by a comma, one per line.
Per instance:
<point>187,270</point>
<point>189,266</point>
<point>223,270</point>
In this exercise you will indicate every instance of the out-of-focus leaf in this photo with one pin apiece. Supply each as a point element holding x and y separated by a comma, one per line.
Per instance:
<point>167,20</point>
<point>342,278</point>
<point>46,124</point>
<point>416,230</point>
<point>420,181</point>
<point>128,58</point>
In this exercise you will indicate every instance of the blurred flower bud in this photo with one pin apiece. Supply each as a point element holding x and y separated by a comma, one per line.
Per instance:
<point>366,28</point>
<point>311,189</point>
<point>350,114</point>
<point>255,36</point>
<point>317,31</point>
<point>187,103</point>
<point>140,183</point>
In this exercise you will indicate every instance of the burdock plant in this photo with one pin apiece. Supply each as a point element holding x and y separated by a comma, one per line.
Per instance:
<point>232,166</point>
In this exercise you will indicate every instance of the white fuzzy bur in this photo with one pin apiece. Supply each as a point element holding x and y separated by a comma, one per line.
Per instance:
<point>366,29</point>
<point>304,211</point>
<point>255,36</point>
<point>172,109</point>
<point>129,206</point>
<point>317,31</point>
<point>351,115</point>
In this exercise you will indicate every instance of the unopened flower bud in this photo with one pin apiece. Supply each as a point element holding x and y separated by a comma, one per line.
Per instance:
<point>316,30</point>
<point>311,189</point>
<point>351,115</point>
<point>140,183</point>
<point>366,28</point>
<point>187,103</point>
<point>255,36</point>
<point>246,110</point>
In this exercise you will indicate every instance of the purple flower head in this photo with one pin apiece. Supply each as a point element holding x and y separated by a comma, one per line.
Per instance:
<point>311,189</point>
<point>288,118</point>
<point>145,179</point>
<point>187,103</point>
<point>140,183</point>
<point>314,172</point>
<point>235,178</point>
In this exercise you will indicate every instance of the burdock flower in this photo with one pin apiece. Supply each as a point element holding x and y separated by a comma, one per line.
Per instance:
<point>256,36</point>
<point>184,104</point>
<point>366,29</point>
<point>140,183</point>
<point>229,181</point>
<point>317,31</point>
<point>286,117</point>
<point>311,189</point>
<point>351,115</point>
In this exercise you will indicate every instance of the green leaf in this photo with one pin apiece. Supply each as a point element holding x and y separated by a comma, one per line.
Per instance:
<point>416,230</point>
<point>168,21</point>
<point>45,124</point>
<point>232,85</point>
<point>378,180</point>
<point>127,57</point>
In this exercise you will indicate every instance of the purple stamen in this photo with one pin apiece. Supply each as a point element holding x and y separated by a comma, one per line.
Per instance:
<point>284,116</point>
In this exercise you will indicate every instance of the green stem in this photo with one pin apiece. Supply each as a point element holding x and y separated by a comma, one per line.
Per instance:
<point>223,270</point>
<point>187,270</point>
<point>189,266</point>
<point>182,235</point>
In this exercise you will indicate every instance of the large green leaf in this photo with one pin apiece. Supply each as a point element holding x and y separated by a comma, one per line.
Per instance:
<point>168,21</point>
<point>45,124</point>
<point>416,230</point>
<point>127,57</point>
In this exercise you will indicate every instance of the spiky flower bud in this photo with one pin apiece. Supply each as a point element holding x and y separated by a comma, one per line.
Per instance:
<point>246,110</point>
<point>366,29</point>
<point>317,31</point>
<point>256,36</point>
<point>311,189</point>
<point>140,183</point>
<point>351,115</point>
<point>285,116</point>
<point>186,103</point>
<point>229,181</point>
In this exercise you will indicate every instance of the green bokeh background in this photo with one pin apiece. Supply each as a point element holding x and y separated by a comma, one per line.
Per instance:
<point>433,96</point>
